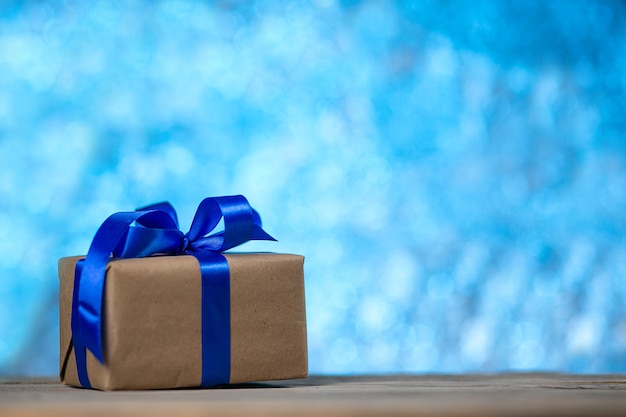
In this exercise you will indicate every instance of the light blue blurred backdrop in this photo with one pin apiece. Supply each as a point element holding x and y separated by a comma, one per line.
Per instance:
<point>454,172</point>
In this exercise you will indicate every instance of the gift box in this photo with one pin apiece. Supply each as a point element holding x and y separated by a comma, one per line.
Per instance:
<point>180,314</point>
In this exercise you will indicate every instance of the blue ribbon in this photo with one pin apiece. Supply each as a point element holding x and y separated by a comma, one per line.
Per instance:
<point>154,230</point>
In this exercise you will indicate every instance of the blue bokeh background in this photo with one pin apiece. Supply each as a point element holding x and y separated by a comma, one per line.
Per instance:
<point>454,172</point>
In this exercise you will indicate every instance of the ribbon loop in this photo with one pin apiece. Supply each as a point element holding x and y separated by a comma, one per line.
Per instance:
<point>148,231</point>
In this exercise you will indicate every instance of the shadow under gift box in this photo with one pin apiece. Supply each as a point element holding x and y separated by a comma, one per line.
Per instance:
<point>152,321</point>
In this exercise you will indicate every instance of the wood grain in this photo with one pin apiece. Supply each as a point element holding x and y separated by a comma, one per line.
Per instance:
<point>401,395</point>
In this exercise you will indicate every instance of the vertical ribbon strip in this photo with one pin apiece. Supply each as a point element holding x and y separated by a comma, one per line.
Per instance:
<point>154,230</point>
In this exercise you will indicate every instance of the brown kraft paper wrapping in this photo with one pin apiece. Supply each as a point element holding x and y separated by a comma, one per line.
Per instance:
<point>152,321</point>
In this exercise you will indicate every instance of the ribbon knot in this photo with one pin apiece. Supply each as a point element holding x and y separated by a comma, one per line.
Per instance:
<point>148,231</point>
<point>184,245</point>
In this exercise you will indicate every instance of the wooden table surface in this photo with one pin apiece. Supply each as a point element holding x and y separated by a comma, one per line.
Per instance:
<point>326,396</point>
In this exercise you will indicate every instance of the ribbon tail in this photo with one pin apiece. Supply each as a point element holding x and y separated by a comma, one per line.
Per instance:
<point>260,234</point>
<point>89,285</point>
<point>79,345</point>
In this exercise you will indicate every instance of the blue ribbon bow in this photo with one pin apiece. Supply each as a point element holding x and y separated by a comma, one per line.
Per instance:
<point>154,230</point>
